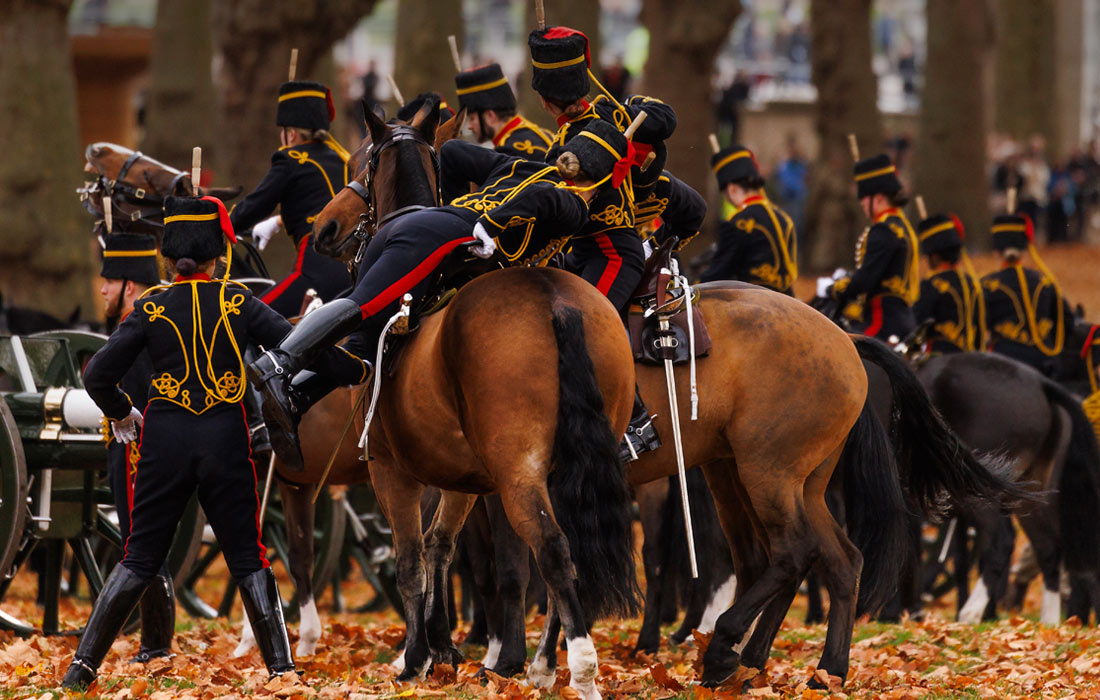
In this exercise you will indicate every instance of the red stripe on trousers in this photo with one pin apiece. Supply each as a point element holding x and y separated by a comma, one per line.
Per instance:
<point>273,293</point>
<point>264,563</point>
<point>412,278</point>
<point>876,317</point>
<point>130,485</point>
<point>614,263</point>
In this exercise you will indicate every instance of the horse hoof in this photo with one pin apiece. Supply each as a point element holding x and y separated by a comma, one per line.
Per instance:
<point>450,656</point>
<point>508,670</point>
<point>540,675</point>
<point>716,673</point>
<point>650,649</point>
<point>587,691</point>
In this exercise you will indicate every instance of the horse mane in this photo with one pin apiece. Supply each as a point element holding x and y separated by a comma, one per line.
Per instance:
<point>417,186</point>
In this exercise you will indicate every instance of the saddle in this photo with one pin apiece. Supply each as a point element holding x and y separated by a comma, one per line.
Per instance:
<point>655,294</point>
<point>455,271</point>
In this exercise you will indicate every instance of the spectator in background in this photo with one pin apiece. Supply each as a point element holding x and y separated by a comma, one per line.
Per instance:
<point>728,113</point>
<point>792,184</point>
<point>1062,210</point>
<point>616,78</point>
<point>1036,181</point>
<point>1006,172</point>
<point>368,88</point>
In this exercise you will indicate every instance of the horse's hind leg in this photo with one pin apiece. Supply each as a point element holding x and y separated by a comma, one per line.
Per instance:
<point>1041,526</point>
<point>439,551</point>
<point>651,503</point>
<point>511,555</point>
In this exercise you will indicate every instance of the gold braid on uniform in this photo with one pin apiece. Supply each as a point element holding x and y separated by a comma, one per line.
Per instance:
<point>1091,405</point>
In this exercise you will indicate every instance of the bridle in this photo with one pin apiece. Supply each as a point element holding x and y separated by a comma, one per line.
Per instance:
<point>131,203</point>
<point>363,186</point>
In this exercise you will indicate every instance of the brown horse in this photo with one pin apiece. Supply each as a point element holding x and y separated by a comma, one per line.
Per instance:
<point>769,352</point>
<point>136,185</point>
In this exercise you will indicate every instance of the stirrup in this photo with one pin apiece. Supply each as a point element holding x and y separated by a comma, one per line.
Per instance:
<point>641,436</point>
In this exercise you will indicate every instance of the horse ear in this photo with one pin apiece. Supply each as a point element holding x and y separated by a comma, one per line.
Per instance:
<point>450,128</point>
<point>426,118</point>
<point>1079,312</point>
<point>376,125</point>
<point>226,194</point>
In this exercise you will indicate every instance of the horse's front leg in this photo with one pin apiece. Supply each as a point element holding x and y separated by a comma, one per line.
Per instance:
<point>439,551</point>
<point>399,498</point>
<point>298,509</point>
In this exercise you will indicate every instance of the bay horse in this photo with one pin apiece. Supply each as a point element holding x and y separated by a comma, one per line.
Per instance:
<point>773,360</point>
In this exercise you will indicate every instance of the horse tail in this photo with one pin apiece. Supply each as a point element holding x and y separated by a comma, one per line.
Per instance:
<point>1079,486</point>
<point>932,460</point>
<point>588,487</point>
<point>875,509</point>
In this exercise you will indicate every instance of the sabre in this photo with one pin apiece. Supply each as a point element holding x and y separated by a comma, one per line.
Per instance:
<point>267,489</point>
<point>666,343</point>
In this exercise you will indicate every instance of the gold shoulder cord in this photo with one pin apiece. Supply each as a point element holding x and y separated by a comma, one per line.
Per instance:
<point>1091,405</point>
<point>1029,314</point>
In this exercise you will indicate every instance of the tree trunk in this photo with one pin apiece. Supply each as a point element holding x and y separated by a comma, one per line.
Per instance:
<point>181,91</point>
<point>685,37</point>
<point>582,15</point>
<point>46,259</point>
<point>1025,72</point>
<point>950,154</point>
<point>422,57</point>
<point>252,44</point>
<point>846,104</point>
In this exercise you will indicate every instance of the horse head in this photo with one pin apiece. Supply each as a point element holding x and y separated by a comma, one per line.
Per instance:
<point>396,169</point>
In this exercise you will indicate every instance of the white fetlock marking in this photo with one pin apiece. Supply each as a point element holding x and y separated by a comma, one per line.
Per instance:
<point>583,667</point>
<point>539,674</point>
<point>1051,613</point>
<point>719,602</point>
<point>422,672</point>
<point>971,613</point>
<point>739,647</point>
<point>399,662</point>
<point>248,639</point>
<point>492,653</point>
<point>309,631</point>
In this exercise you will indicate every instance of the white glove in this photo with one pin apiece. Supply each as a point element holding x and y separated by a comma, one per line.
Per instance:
<point>264,231</point>
<point>126,430</point>
<point>485,245</point>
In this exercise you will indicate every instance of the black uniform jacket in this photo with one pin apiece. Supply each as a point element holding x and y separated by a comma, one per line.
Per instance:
<point>523,139</point>
<point>757,244</point>
<point>520,202</point>
<point>1023,306</point>
<point>302,179</point>
<point>659,124</point>
<point>886,262</point>
<point>952,300</point>
<point>680,208</point>
<point>196,363</point>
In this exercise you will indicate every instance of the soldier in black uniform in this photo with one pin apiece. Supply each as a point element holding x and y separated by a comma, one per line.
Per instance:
<point>491,114</point>
<point>950,297</point>
<point>1024,308</point>
<point>608,252</point>
<point>758,243</point>
<point>672,209</point>
<point>525,212</point>
<point>306,172</point>
<point>129,269</point>
<point>880,294</point>
<point>193,433</point>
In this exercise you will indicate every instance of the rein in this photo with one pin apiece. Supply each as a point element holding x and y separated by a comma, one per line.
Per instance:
<point>363,187</point>
<point>131,202</point>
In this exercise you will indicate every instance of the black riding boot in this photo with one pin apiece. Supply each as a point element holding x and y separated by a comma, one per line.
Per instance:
<point>116,602</point>
<point>641,436</point>
<point>309,344</point>
<point>257,429</point>
<point>158,619</point>
<point>260,597</point>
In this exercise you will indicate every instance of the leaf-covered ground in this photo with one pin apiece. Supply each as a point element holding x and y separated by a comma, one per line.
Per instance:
<point>1014,658</point>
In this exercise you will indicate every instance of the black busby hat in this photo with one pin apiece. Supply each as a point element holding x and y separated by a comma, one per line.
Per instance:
<point>410,108</point>
<point>598,148</point>
<point>195,228</point>
<point>131,256</point>
<point>306,105</point>
<point>938,233</point>
<point>733,163</point>
<point>484,88</point>
<point>877,175</point>
<point>560,60</point>
<point>1012,231</point>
